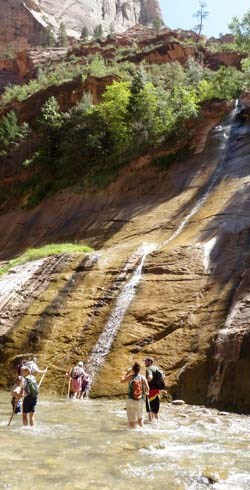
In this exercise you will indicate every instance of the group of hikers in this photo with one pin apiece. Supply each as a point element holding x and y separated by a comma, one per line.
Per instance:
<point>24,393</point>
<point>142,390</point>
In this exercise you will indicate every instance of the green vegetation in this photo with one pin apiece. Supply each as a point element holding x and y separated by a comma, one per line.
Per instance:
<point>84,33</point>
<point>146,107</point>
<point>11,132</point>
<point>241,30</point>
<point>98,32</point>
<point>45,251</point>
<point>200,15</point>
<point>47,38</point>
<point>62,35</point>
<point>157,24</point>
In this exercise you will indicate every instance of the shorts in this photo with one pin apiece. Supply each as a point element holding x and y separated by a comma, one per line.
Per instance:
<point>16,405</point>
<point>29,404</point>
<point>153,405</point>
<point>134,410</point>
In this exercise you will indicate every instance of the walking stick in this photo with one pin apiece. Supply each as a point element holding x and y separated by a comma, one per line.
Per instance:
<point>13,413</point>
<point>42,378</point>
<point>69,386</point>
<point>64,384</point>
<point>149,409</point>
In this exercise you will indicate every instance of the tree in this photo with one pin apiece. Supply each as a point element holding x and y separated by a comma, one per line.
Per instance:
<point>62,35</point>
<point>11,132</point>
<point>98,32</point>
<point>84,33</point>
<point>111,29</point>
<point>200,15</point>
<point>157,23</point>
<point>241,30</point>
<point>47,38</point>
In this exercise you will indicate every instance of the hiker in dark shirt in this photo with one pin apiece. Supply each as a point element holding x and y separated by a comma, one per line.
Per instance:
<point>30,392</point>
<point>153,399</point>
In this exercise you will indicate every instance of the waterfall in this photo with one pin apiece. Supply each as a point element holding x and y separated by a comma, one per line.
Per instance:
<point>102,347</point>
<point>104,343</point>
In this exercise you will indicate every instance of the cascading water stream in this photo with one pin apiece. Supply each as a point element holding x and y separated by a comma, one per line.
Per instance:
<point>105,340</point>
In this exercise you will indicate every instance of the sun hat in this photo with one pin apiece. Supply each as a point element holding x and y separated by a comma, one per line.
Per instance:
<point>151,359</point>
<point>80,364</point>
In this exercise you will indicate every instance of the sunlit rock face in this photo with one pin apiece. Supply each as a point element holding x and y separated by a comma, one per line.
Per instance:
<point>190,307</point>
<point>120,14</point>
<point>23,20</point>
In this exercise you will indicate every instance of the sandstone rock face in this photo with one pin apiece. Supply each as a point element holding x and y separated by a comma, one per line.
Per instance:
<point>190,305</point>
<point>19,28</point>
<point>120,14</point>
<point>22,21</point>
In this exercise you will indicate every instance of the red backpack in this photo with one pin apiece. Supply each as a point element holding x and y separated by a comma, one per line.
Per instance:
<point>137,389</point>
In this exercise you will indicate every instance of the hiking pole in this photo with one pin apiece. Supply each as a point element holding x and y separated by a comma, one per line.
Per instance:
<point>13,413</point>
<point>149,409</point>
<point>64,382</point>
<point>69,383</point>
<point>42,378</point>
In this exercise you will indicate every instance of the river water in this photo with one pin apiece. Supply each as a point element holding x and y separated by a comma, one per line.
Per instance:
<point>85,444</point>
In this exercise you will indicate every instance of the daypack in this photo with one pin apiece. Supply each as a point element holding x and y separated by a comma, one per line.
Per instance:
<point>137,390</point>
<point>31,387</point>
<point>158,380</point>
<point>76,372</point>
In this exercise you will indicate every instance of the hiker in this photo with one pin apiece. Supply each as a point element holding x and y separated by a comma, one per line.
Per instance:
<point>33,366</point>
<point>20,365</point>
<point>30,392</point>
<point>17,395</point>
<point>155,381</point>
<point>76,375</point>
<point>137,387</point>
<point>85,384</point>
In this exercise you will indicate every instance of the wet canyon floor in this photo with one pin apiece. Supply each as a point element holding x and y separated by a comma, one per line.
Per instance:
<point>86,445</point>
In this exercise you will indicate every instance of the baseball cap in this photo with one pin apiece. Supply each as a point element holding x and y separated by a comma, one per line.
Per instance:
<point>151,359</point>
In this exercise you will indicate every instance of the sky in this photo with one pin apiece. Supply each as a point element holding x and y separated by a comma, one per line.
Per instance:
<point>179,14</point>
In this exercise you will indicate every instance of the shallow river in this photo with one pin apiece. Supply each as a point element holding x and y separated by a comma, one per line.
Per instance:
<point>86,445</point>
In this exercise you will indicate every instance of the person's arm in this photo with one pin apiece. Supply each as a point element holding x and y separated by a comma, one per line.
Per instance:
<point>127,376</point>
<point>149,375</point>
<point>37,370</point>
<point>145,386</point>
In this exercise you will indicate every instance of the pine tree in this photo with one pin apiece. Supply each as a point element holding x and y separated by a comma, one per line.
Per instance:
<point>200,15</point>
<point>47,38</point>
<point>98,32</point>
<point>157,24</point>
<point>62,35</point>
<point>84,33</point>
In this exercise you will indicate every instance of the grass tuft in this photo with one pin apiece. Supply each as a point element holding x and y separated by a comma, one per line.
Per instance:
<point>45,251</point>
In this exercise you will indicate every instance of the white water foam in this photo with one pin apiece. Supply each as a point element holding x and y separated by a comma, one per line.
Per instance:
<point>207,250</point>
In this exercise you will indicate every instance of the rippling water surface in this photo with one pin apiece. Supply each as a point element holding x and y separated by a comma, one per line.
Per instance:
<point>86,445</point>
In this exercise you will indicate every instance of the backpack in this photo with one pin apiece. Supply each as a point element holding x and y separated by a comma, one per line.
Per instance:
<point>137,390</point>
<point>158,380</point>
<point>76,373</point>
<point>31,387</point>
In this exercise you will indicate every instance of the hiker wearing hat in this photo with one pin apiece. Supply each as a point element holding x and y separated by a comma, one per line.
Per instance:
<point>30,392</point>
<point>33,366</point>
<point>76,374</point>
<point>17,395</point>
<point>156,383</point>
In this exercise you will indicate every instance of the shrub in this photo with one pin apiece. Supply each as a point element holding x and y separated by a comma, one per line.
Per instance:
<point>11,132</point>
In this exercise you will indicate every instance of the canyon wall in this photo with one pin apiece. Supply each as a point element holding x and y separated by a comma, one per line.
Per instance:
<point>189,305</point>
<point>22,21</point>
